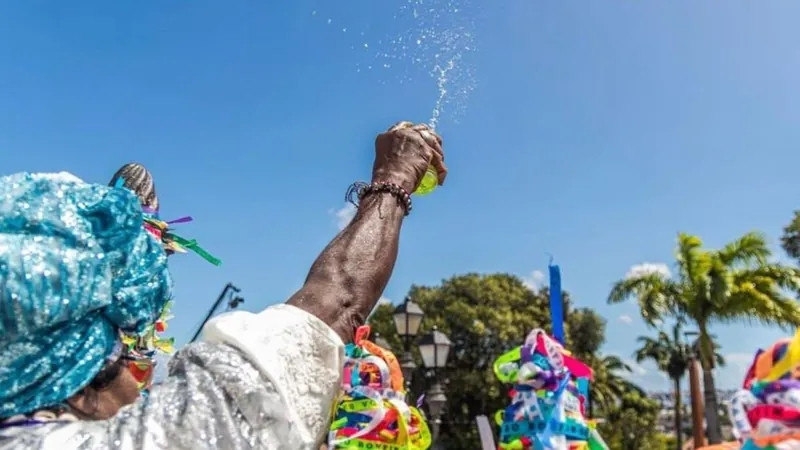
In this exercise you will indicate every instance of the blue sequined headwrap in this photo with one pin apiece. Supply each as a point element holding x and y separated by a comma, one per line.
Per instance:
<point>76,267</point>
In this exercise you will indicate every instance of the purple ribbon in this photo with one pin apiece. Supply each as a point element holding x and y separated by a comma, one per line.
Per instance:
<point>780,386</point>
<point>181,220</point>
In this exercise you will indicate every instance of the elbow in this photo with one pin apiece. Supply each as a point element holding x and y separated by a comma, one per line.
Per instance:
<point>347,321</point>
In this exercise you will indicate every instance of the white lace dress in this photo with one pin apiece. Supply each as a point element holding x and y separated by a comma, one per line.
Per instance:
<point>256,381</point>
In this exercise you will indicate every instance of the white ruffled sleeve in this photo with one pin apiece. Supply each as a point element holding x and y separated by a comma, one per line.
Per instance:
<point>299,353</point>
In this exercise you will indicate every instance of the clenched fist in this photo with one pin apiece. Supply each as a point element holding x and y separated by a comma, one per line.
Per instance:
<point>403,154</point>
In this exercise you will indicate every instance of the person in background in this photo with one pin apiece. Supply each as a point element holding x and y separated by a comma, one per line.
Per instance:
<point>78,268</point>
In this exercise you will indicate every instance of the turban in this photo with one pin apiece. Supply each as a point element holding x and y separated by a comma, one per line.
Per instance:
<point>76,268</point>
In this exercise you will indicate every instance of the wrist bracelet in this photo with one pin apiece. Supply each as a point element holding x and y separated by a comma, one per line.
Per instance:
<point>360,190</point>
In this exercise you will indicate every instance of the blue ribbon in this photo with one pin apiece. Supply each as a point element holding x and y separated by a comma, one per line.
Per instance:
<point>556,304</point>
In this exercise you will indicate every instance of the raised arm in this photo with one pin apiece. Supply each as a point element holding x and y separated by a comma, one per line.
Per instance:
<point>348,277</point>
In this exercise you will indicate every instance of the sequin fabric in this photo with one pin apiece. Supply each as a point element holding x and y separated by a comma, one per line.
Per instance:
<point>76,266</point>
<point>262,381</point>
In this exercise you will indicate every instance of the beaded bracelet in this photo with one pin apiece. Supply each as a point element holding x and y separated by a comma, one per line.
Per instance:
<point>361,190</point>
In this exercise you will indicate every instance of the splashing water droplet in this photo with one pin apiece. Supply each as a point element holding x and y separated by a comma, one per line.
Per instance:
<point>443,32</point>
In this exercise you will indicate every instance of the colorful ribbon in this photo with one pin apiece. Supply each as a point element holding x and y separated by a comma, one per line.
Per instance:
<point>371,412</point>
<point>766,412</point>
<point>547,402</point>
<point>173,242</point>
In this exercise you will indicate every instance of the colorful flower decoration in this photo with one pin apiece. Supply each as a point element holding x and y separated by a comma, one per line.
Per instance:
<point>548,400</point>
<point>371,411</point>
<point>766,412</point>
<point>141,349</point>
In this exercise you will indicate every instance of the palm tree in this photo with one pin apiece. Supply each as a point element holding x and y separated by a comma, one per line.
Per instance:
<point>672,357</point>
<point>609,385</point>
<point>734,284</point>
<point>791,237</point>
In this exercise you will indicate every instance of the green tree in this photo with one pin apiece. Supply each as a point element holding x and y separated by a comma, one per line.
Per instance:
<point>631,425</point>
<point>791,237</point>
<point>672,356</point>
<point>484,316</point>
<point>734,284</point>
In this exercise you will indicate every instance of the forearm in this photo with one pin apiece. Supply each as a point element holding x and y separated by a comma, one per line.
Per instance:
<point>348,277</point>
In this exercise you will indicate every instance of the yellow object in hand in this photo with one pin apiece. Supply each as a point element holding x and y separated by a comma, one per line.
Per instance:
<point>429,182</point>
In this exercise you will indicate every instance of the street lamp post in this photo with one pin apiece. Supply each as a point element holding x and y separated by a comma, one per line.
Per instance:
<point>694,392</point>
<point>407,319</point>
<point>435,348</point>
<point>229,291</point>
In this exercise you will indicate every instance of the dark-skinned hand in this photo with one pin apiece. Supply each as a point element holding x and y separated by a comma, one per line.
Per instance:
<point>403,154</point>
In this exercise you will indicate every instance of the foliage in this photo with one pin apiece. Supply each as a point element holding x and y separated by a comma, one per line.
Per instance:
<point>484,316</point>
<point>791,237</point>
<point>734,284</point>
<point>631,425</point>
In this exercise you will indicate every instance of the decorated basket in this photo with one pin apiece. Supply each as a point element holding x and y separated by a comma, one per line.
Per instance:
<point>371,411</point>
<point>766,412</point>
<point>548,398</point>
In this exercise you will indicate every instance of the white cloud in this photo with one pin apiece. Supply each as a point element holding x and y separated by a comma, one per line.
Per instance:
<point>534,281</point>
<point>648,268</point>
<point>344,215</point>
<point>626,319</point>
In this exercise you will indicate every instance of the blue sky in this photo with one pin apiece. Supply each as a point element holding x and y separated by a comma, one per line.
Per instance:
<point>595,131</point>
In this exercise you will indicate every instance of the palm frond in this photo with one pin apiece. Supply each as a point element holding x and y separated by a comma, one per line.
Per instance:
<point>653,291</point>
<point>614,363</point>
<point>768,308</point>
<point>784,277</point>
<point>693,262</point>
<point>720,280</point>
<point>748,249</point>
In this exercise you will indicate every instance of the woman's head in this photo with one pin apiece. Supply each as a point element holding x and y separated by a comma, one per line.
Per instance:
<point>138,179</point>
<point>77,269</point>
